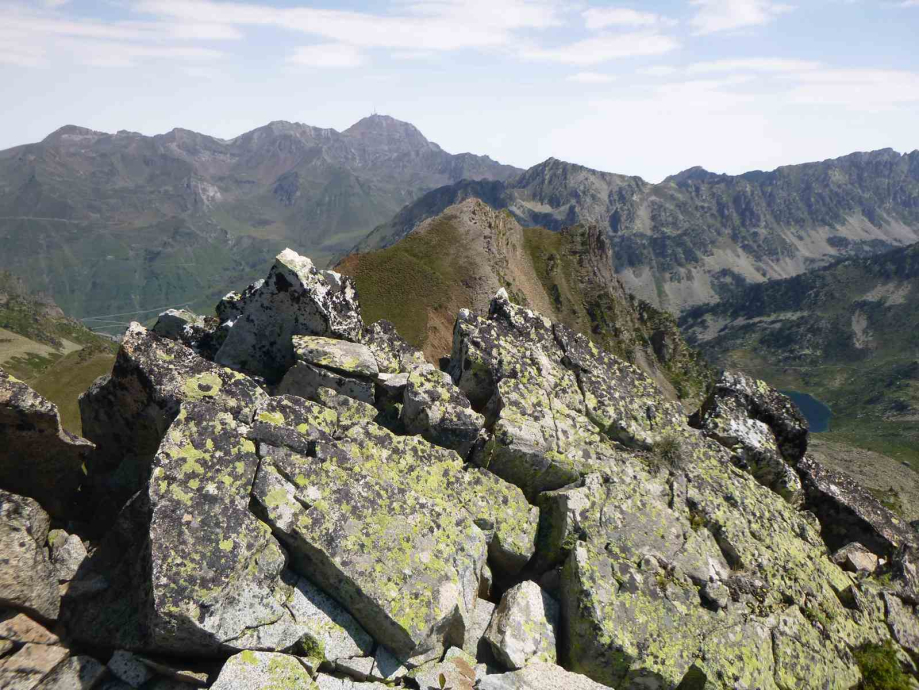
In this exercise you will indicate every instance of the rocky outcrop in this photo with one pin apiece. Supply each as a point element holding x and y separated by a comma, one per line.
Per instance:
<point>37,457</point>
<point>762,428</point>
<point>27,580</point>
<point>295,299</point>
<point>849,513</point>
<point>296,541</point>
<point>127,413</point>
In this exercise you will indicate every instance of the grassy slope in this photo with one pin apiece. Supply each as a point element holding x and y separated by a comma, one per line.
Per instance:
<point>44,355</point>
<point>420,282</point>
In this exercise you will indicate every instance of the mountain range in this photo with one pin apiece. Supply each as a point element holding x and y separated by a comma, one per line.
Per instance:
<point>845,334</point>
<point>113,223</point>
<point>697,235</point>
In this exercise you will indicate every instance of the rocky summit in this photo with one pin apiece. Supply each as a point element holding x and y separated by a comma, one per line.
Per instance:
<point>280,495</point>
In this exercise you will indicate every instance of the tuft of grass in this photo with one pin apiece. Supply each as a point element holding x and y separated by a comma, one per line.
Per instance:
<point>668,454</point>
<point>881,670</point>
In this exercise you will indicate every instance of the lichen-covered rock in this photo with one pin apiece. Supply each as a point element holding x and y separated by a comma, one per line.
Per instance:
<point>903,621</point>
<point>457,671</point>
<point>305,380</point>
<point>475,630</point>
<point>499,509</point>
<point>855,558</point>
<point>848,512</point>
<point>233,304</point>
<point>27,580</point>
<point>539,676</point>
<point>201,334</point>
<point>38,458</point>
<point>215,569</point>
<point>392,353</point>
<point>350,411</point>
<point>333,634</point>
<point>263,671</point>
<point>439,412</point>
<point>126,414</point>
<point>736,395</point>
<point>522,629</point>
<point>762,428</point>
<point>286,420</point>
<point>295,299</point>
<point>352,359</point>
<point>402,564</point>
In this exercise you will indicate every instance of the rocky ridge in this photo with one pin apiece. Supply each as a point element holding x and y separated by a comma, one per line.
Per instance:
<point>538,515</point>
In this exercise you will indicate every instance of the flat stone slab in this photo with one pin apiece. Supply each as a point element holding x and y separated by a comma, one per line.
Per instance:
<point>353,359</point>
<point>263,671</point>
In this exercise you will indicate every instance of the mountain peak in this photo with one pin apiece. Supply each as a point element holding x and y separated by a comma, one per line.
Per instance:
<point>694,174</point>
<point>383,130</point>
<point>72,132</point>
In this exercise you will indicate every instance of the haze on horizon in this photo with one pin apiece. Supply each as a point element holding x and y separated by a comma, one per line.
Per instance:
<point>640,88</point>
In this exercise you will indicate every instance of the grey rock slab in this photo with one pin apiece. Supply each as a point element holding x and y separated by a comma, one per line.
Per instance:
<point>352,359</point>
<point>20,629</point>
<point>27,579</point>
<point>539,676</point>
<point>37,457</point>
<point>127,414</point>
<point>350,410</point>
<point>305,380</point>
<point>404,565</point>
<point>903,621</point>
<point>333,633</point>
<point>128,668</point>
<point>438,411</point>
<point>295,299</point>
<point>475,632</point>
<point>392,353</point>
<point>523,627</point>
<point>293,422</point>
<point>215,569</point>
<point>457,671</point>
<point>855,558</point>
<point>75,673</point>
<point>263,671</point>
<point>67,555</point>
<point>848,512</point>
<point>187,674</point>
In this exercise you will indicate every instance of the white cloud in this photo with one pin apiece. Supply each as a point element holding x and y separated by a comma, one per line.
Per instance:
<point>437,25</point>
<point>658,71</point>
<point>327,55</point>
<point>591,78</point>
<point>777,65</point>
<point>868,90</point>
<point>603,17</point>
<point>726,15</point>
<point>909,3</point>
<point>603,48</point>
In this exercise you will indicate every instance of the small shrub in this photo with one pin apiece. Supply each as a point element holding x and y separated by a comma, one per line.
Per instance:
<point>881,670</point>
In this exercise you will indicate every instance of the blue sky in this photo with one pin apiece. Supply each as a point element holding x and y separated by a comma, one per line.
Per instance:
<point>644,88</point>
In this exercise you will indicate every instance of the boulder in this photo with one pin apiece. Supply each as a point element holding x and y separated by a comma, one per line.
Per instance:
<point>475,631</point>
<point>351,359</point>
<point>439,412</point>
<point>457,672</point>
<point>126,414</point>
<point>129,669</point>
<point>27,579</point>
<point>304,380</point>
<point>67,554</point>
<point>286,420</point>
<point>392,353</point>
<point>539,676</point>
<point>404,565</point>
<point>263,671</point>
<point>201,334</point>
<point>848,512</point>
<point>736,397</point>
<point>295,299</point>
<point>855,558</point>
<point>522,629</point>
<point>350,411</point>
<point>38,458</point>
<point>18,628</point>
<point>762,428</point>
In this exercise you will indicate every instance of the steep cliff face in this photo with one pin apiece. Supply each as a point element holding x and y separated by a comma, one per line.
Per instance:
<point>536,514</point>
<point>697,235</point>
<point>464,255</point>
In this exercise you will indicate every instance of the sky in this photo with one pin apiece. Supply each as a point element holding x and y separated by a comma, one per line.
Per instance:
<point>642,88</point>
